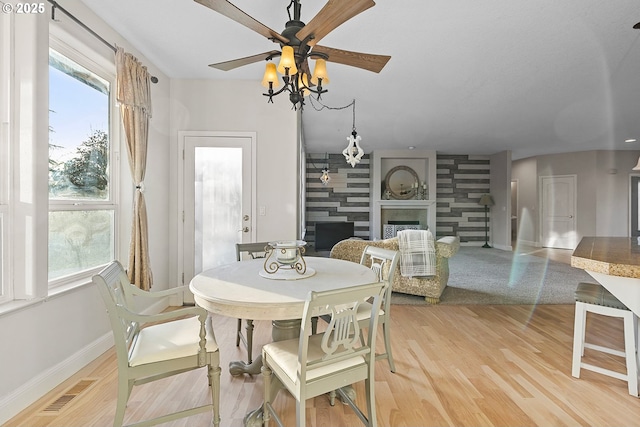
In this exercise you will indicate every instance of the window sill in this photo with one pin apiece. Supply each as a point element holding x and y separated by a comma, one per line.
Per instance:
<point>17,305</point>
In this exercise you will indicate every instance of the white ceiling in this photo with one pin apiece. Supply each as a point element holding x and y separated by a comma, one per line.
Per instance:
<point>465,76</point>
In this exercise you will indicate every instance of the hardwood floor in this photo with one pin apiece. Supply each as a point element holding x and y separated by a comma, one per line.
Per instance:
<point>456,366</point>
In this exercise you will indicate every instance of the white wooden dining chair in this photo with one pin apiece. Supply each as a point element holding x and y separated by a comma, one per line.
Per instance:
<point>152,347</point>
<point>315,364</point>
<point>385,263</point>
<point>253,251</point>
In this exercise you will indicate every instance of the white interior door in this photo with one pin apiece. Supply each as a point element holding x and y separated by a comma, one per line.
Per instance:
<point>218,199</point>
<point>558,208</point>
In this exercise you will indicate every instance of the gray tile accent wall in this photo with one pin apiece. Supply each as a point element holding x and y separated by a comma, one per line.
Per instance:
<point>346,198</point>
<point>461,181</point>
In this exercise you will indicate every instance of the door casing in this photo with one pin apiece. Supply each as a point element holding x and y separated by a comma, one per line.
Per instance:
<point>223,137</point>
<point>564,214</point>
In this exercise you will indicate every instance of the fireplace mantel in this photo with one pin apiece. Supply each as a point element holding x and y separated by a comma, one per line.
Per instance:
<point>423,162</point>
<point>408,204</point>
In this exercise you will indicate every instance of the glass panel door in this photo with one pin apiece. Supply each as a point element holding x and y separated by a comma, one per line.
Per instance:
<point>218,206</point>
<point>217,196</point>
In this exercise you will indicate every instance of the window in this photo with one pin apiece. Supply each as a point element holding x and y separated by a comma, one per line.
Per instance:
<point>82,208</point>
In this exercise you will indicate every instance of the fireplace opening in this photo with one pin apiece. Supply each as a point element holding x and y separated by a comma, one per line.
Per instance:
<point>327,234</point>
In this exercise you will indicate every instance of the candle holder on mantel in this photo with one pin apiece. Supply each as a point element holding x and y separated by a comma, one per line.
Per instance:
<point>286,255</point>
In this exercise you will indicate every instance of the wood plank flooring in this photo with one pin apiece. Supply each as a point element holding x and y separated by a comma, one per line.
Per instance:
<point>456,366</point>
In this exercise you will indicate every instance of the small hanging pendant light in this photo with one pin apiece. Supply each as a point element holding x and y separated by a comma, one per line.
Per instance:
<point>325,178</point>
<point>353,153</point>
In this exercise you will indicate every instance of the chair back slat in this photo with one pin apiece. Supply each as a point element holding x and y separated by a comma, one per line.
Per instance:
<point>343,330</point>
<point>384,262</point>
<point>341,338</point>
<point>114,287</point>
<point>252,250</point>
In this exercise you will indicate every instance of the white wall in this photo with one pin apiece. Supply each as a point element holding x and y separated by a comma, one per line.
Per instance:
<point>602,191</point>
<point>613,171</point>
<point>501,192</point>
<point>525,171</point>
<point>238,106</point>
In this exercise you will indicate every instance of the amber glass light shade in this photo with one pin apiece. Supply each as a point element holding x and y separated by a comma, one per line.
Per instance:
<point>287,60</point>
<point>303,82</point>
<point>320,71</point>
<point>270,75</point>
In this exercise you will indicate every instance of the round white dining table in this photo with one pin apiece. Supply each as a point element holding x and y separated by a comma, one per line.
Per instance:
<point>244,290</point>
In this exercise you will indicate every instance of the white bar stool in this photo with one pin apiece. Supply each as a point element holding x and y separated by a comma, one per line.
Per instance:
<point>595,298</point>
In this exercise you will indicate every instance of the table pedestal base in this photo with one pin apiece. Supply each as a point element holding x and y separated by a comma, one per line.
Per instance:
<point>281,330</point>
<point>238,367</point>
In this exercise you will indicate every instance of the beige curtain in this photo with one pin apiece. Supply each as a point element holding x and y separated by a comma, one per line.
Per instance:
<point>134,95</point>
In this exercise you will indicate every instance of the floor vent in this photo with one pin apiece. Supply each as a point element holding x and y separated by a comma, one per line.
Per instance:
<point>58,404</point>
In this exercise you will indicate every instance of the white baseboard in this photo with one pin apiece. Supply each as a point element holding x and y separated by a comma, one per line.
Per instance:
<point>529,243</point>
<point>32,390</point>
<point>480,244</point>
<point>471,244</point>
<point>504,247</point>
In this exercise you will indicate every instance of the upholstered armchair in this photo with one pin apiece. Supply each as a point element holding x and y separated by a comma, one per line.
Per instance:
<point>430,287</point>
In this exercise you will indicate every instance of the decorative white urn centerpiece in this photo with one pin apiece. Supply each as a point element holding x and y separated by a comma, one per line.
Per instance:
<point>285,254</point>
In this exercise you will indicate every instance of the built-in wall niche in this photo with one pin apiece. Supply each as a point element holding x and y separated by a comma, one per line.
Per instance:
<point>421,208</point>
<point>403,172</point>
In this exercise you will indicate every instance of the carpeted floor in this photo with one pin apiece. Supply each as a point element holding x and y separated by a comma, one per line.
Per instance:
<point>492,276</point>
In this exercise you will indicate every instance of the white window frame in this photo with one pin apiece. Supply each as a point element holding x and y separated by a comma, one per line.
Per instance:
<point>112,204</point>
<point>6,36</point>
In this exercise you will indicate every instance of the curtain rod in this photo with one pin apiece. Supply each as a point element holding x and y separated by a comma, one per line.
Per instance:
<point>55,5</point>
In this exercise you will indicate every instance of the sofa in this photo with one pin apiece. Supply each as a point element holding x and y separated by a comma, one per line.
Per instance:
<point>430,287</point>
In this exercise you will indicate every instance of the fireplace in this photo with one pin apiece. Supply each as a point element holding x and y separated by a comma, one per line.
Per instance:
<point>328,234</point>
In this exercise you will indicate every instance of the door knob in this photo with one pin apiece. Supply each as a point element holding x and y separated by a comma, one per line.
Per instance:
<point>244,229</point>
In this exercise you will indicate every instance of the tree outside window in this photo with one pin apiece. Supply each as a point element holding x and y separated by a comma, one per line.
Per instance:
<point>81,206</point>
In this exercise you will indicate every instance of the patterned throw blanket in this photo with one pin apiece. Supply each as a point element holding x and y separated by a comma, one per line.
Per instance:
<point>417,253</point>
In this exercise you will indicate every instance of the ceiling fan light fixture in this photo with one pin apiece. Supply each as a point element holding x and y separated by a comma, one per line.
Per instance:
<point>270,78</point>
<point>287,65</point>
<point>303,84</point>
<point>298,44</point>
<point>320,72</point>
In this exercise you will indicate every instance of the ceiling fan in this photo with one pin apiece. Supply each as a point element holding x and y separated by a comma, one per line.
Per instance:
<point>302,39</point>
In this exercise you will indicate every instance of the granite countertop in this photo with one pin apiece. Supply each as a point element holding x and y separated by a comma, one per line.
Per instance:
<point>616,256</point>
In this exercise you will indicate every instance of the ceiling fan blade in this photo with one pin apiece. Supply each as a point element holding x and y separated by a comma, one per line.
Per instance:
<point>235,63</point>
<point>304,68</point>
<point>229,10</point>
<point>366,61</point>
<point>331,16</point>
